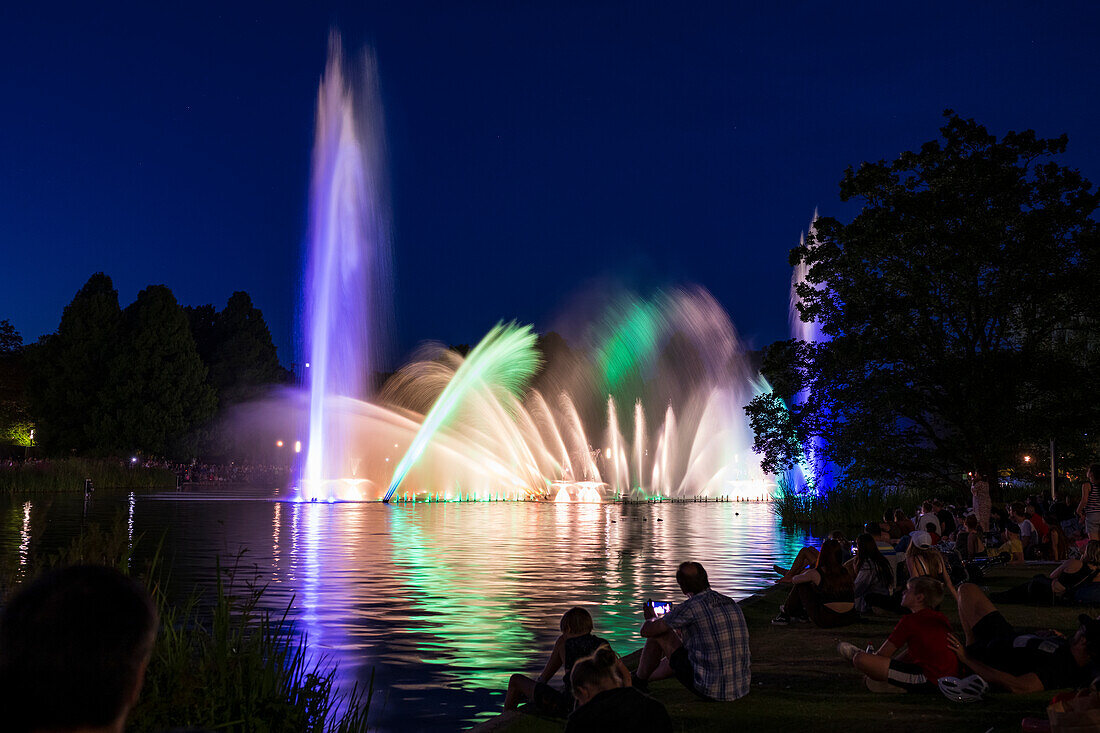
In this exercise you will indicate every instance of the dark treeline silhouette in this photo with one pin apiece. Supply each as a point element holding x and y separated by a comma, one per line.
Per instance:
<point>147,378</point>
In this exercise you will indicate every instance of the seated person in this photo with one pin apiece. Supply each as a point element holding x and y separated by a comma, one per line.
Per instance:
<point>825,594</point>
<point>1029,538</point>
<point>905,524</point>
<point>1059,544</point>
<point>605,704</point>
<point>946,517</point>
<point>970,543</point>
<point>925,515</point>
<point>1011,548</point>
<point>889,526</point>
<point>703,641</point>
<point>924,633</point>
<point>1022,663</point>
<point>871,572</point>
<point>1037,521</point>
<point>74,645</point>
<point>933,536</point>
<point>807,558</point>
<point>1062,583</point>
<point>576,641</point>
<point>921,560</point>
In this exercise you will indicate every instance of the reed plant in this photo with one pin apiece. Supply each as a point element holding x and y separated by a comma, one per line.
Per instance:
<point>237,667</point>
<point>221,661</point>
<point>68,475</point>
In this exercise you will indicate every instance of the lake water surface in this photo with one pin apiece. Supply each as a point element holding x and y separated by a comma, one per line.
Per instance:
<point>442,601</point>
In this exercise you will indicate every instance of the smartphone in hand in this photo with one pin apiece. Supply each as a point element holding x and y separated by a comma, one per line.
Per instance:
<point>656,609</point>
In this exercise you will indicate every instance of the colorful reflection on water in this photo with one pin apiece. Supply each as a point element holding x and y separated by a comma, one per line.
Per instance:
<point>442,601</point>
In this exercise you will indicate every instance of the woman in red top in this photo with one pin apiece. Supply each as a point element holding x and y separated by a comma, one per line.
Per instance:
<point>925,631</point>
<point>905,524</point>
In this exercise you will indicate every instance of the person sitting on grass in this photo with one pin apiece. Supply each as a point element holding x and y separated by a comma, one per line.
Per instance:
<point>824,594</point>
<point>74,645</point>
<point>604,704</point>
<point>1029,538</point>
<point>1022,663</point>
<point>889,526</point>
<point>933,535</point>
<point>971,543</point>
<point>883,541</point>
<point>807,558</point>
<point>905,524</point>
<point>921,560</point>
<point>871,572</point>
<point>703,641</point>
<point>923,632</point>
<point>576,641</point>
<point>1011,548</point>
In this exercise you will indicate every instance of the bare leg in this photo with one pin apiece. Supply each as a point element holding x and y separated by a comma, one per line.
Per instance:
<point>653,664</point>
<point>872,665</point>
<point>520,689</point>
<point>806,558</point>
<point>973,606</point>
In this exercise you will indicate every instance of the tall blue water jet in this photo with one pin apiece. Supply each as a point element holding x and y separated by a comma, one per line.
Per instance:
<point>347,286</point>
<point>815,473</point>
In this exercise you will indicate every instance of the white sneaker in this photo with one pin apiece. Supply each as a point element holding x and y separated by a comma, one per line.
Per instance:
<point>848,651</point>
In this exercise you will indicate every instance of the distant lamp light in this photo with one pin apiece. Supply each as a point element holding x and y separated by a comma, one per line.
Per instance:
<point>297,446</point>
<point>278,444</point>
<point>307,365</point>
<point>1027,459</point>
<point>133,459</point>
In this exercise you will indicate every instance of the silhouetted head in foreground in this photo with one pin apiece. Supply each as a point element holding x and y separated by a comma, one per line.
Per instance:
<point>74,644</point>
<point>692,578</point>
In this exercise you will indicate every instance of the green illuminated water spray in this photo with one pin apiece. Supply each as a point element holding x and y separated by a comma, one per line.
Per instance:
<point>504,361</point>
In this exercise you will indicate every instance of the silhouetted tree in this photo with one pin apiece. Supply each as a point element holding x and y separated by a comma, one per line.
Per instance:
<point>68,370</point>
<point>236,346</point>
<point>960,310</point>
<point>157,391</point>
<point>15,421</point>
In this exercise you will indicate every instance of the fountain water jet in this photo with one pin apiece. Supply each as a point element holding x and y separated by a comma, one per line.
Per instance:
<point>347,278</point>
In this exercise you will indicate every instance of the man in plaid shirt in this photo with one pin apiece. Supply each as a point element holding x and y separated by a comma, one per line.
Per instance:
<point>702,642</point>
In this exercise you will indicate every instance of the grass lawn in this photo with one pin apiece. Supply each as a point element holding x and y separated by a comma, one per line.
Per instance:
<point>800,684</point>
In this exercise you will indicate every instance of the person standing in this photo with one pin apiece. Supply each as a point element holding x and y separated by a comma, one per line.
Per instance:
<point>979,489</point>
<point>1089,508</point>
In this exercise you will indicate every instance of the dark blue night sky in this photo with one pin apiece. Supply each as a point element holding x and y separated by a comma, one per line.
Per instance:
<point>535,148</point>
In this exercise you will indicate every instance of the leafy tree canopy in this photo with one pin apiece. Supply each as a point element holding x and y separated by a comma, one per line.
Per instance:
<point>959,315</point>
<point>157,390</point>
<point>68,370</point>
<point>237,347</point>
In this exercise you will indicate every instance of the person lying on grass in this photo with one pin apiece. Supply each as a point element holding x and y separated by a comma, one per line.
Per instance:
<point>604,705</point>
<point>1061,585</point>
<point>926,633</point>
<point>1022,663</point>
<point>576,641</point>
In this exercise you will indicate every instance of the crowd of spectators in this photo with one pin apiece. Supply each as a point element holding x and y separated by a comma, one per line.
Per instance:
<point>235,472</point>
<point>255,474</point>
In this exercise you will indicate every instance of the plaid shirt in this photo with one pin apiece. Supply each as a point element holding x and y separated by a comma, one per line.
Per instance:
<point>712,629</point>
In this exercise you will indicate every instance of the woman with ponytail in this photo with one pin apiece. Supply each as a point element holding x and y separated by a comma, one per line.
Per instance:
<point>607,702</point>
